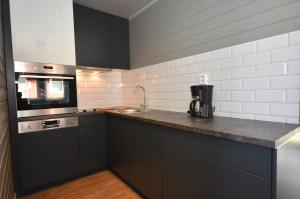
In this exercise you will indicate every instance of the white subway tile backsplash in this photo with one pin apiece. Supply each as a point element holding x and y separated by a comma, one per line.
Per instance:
<point>242,116</point>
<point>294,38</point>
<point>276,69</point>
<point>242,96</point>
<point>256,80</point>
<point>188,78</point>
<point>231,107</point>
<point>220,75</point>
<point>231,85</point>
<point>231,62</point>
<point>194,68</point>
<point>221,96</point>
<point>280,41</point>
<point>285,82</point>
<point>175,63</point>
<point>216,84</point>
<point>293,67</point>
<point>242,73</point>
<point>293,96</point>
<point>257,83</point>
<point>188,60</point>
<point>204,57</point>
<point>258,58</point>
<point>222,53</point>
<point>211,66</point>
<point>270,96</point>
<point>221,114</point>
<point>244,49</point>
<point>181,70</point>
<point>256,108</point>
<point>286,54</point>
<point>287,110</point>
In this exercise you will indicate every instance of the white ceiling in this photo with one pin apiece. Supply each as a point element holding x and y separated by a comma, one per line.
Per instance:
<point>123,8</point>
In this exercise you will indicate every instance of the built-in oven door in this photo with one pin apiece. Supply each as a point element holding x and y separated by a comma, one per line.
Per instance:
<point>45,94</point>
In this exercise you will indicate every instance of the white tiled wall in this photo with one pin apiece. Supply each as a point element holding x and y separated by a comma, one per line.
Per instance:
<point>96,89</point>
<point>256,80</point>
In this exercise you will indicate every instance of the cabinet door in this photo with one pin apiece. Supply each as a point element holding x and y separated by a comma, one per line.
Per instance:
<point>92,40</point>
<point>48,156</point>
<point>93,148</point>
<point>119,147</point>
<point>195,177</point>
<point>136,154</point>
<point>119,32</point>
<point>43,31</point>
<point>146,159</point>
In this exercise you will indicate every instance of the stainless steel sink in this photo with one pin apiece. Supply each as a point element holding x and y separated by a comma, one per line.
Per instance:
<point>129,110</point>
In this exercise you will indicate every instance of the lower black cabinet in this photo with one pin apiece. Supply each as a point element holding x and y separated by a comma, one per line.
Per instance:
<point>146,159</point>
<point>197,177</point>
<point>47,157</point>
<point>163,162</point>
<point>120,143</point>
<point>136,155</point>
<point>93,142</point>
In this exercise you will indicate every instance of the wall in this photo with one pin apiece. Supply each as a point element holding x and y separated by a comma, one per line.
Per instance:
<point>96,89</point>
<point>172,29</point>
<point>255,80</point>
<point>6,179</point>
<point>43,31</point>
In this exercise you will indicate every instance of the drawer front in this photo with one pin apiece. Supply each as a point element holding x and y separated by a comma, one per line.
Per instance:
<point>47,157</point>
<point>246,157</point>
<point>92,120</point>
<point>202,178</point>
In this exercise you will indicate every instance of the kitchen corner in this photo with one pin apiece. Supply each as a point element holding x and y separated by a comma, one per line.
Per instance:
<point>150,99</point>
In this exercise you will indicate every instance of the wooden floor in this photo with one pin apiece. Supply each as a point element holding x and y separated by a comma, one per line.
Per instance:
<point>97,186</point>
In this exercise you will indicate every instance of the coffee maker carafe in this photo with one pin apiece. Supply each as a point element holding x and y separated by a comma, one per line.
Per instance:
<point>201,105</point>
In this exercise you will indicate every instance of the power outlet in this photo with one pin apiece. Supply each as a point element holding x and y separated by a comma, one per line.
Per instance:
<point>203,78</point>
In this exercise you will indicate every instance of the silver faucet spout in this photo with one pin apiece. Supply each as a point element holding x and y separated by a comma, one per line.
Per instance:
<point>144,106</point>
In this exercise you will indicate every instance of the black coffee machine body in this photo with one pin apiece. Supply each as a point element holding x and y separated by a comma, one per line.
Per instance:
<point>201,105</point>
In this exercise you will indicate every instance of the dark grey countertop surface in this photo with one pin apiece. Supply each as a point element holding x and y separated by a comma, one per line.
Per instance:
<point>262,133</point>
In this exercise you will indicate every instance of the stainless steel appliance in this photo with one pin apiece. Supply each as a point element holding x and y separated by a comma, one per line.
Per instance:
<point>47,124</point>
<point>45,89</point>
<point>201,105</point>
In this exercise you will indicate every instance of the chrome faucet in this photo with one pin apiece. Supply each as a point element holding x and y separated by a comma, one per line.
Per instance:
<point>143,106</point>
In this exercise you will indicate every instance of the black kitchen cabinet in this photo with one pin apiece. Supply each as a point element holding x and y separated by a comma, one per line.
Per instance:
<point>92,37</point>
<point>120,143</point>
<point>101,39</point>
<point>93,142</point>
<point>119,42</point>
<point>152,158</point>
<point>47,157</point>
<point>136,155</point>
<point>203,178</point>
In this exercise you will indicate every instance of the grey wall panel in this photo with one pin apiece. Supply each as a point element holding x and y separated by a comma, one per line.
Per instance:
<point>6,179</point>
<point>171,29</point>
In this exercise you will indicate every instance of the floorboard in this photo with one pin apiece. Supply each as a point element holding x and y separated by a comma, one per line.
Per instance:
<point>97,186</point>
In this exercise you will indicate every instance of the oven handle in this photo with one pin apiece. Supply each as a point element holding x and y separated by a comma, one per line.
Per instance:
<point>46,77</point>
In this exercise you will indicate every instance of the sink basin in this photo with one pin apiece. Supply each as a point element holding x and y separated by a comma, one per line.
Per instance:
<point>130,110</point>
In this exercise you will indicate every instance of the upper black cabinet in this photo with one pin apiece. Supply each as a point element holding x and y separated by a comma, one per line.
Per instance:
<point>119,42</point>
<point>101,39</point>
<point>92,37</point>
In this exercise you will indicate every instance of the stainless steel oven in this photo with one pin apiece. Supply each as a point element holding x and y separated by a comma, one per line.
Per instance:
<point>45,89</point>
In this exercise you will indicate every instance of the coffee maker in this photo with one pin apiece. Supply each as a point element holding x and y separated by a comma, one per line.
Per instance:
<point>201,105</point>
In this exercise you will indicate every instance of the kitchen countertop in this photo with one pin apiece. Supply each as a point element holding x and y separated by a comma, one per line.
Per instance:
<point>262,133</point>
